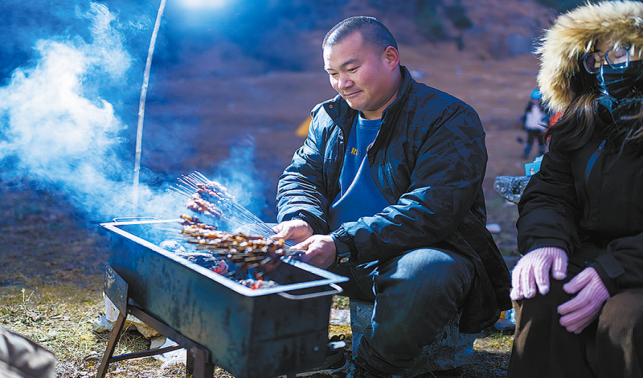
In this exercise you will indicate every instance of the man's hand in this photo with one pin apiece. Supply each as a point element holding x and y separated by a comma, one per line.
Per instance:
<point>533,270</point>
<point>320,250</point>
<point>297,230</point>
<point>581,310</point>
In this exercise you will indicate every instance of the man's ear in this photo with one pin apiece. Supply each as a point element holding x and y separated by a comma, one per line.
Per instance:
<point>391,57</point>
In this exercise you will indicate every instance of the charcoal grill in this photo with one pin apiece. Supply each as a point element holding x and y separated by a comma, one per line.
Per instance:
<point>250,333</point>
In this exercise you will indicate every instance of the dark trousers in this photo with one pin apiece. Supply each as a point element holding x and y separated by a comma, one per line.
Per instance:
<point>415,295</point>
<point>609,347</point>
<point>531,136</point>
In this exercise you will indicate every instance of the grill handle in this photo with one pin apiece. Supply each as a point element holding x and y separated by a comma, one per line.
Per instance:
<point>336,290</point>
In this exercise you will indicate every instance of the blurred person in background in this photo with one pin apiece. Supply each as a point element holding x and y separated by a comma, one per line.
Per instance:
<point>579,286</point>
<point>387,190</point>
<point>534,122</point>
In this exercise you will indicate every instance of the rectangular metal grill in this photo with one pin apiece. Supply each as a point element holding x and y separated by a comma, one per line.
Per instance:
<point>250,333</point>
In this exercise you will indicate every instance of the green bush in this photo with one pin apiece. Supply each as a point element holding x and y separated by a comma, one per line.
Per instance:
<point>430,22</point>
<point>428,19</point>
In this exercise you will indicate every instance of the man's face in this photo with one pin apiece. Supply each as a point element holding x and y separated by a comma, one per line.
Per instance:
<point>362,76</point>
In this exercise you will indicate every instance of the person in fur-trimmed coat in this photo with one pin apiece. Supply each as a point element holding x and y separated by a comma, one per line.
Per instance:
<point>578,289</point>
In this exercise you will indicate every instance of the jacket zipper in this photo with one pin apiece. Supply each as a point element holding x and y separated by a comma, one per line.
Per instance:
<point>386,166</point>
<point>592,161</point>
<point>341,149</point>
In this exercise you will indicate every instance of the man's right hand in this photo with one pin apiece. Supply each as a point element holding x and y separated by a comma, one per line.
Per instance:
<point>296,230</point>
<point>533,269</point>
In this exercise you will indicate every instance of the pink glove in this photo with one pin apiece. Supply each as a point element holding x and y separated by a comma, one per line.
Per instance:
<point>533,269</point>
<point>581,310</point>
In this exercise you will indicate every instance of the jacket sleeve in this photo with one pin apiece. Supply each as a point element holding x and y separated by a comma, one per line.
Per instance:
<point>301,191</point>
<point>622,266</point>
<point>440,184</point>
<point>548,208</point>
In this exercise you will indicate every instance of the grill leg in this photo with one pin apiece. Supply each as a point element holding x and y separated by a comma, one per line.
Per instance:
<point>189,364</point>
<point>196,365</point>
<point>111,345</point>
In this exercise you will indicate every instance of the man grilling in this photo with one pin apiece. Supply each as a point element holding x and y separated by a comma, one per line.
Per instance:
<point>387,190</point>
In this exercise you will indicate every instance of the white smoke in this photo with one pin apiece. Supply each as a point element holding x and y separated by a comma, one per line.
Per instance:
<point>56,129</point>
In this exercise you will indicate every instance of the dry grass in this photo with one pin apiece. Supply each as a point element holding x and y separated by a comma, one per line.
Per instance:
<point>60,317</point>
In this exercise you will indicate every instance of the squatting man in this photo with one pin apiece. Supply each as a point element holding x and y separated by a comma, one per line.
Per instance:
<point>387,190</point>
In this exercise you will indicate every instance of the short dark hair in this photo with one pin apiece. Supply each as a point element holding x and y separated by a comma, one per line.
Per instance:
<point>372,30</point>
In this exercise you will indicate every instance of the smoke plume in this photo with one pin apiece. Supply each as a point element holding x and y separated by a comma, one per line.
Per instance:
<point>55,128</point>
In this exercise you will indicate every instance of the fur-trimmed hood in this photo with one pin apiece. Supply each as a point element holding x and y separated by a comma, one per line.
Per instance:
<point>577,32</point>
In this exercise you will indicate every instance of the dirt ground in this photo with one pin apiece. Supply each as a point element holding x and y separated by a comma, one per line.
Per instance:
<point>52,255</point>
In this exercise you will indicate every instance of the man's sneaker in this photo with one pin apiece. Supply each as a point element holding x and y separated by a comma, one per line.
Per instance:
<point>335,358</point>
<point>356,370</point>
<point>455,372</point>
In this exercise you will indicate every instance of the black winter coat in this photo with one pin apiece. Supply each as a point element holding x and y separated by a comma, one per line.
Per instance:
<point>589,204</point>
<point>428,160</point>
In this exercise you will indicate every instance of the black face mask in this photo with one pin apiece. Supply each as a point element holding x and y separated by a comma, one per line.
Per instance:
<point>620,82</point>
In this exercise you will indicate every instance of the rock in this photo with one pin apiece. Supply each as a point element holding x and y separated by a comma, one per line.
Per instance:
<point>111,315</point>
<point>494,228</point>
<point>175,357</point>
<point>340,317</point>
<point>511,187</point>
<point>141,327</point>
<point>111,312</point>
<point>157,342</point>
<point>102,325</point>
<point>451,350</point>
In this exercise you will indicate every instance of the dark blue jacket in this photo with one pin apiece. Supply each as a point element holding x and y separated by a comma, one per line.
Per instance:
<point>429,161</point>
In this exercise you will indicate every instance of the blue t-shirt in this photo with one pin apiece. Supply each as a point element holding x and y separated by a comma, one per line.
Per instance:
<point>359,196</point>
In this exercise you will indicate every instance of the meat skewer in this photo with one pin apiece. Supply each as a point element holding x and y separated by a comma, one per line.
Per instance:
<point>237,247</point>
<point>212,199</point>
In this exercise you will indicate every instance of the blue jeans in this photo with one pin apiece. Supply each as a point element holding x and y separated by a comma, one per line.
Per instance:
<point>415,295</point>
